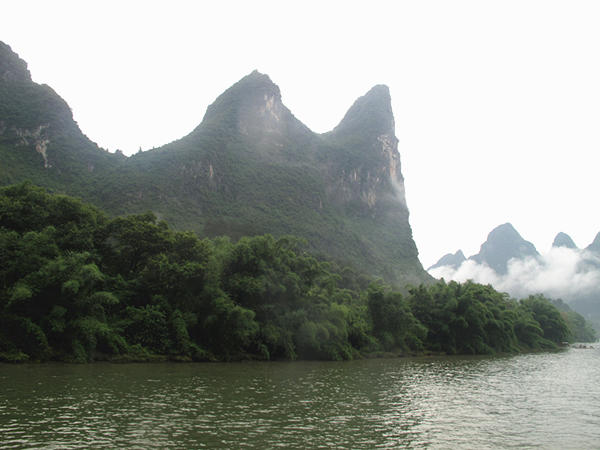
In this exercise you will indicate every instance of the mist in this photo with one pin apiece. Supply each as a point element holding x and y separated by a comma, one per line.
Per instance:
<point>569,274</point>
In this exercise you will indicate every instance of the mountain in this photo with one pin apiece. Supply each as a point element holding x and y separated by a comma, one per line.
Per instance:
<point>595,245</point>
<point>250,167</point>
<point>563,240</point>
<point>452,260</point>
<point>502,244</point>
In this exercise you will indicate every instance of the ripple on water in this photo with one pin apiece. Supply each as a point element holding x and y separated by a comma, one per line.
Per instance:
<point>546,400</point>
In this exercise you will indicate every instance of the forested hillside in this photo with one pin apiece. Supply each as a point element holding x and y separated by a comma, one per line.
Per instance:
<point>77,285</point>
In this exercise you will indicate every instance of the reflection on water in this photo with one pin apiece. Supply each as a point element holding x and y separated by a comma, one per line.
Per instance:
<point>550,400</point>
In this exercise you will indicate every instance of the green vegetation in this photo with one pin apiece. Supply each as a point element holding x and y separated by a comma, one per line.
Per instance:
<point>582,330</point>
<point>76,285</point>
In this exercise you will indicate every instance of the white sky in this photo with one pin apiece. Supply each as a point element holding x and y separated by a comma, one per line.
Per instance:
<point>497,103</point>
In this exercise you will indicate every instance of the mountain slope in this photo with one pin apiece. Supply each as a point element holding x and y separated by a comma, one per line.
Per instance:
<point>39,140</point>
<point>249,168</point>
<point>595,245</point>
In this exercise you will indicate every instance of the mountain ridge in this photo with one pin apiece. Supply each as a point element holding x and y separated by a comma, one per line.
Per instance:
<point>595,245</point>
<point>250,167</point>
<point>453,260</point>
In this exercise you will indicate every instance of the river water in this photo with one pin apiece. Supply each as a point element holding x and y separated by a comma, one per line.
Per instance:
<point>546,400</point>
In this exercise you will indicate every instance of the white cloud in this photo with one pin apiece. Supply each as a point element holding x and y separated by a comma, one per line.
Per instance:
<point>563,273</point>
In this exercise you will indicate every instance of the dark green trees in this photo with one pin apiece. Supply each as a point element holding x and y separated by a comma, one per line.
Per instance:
<point>78,286</point>
<point>476,319</point>
<point>394,324</point>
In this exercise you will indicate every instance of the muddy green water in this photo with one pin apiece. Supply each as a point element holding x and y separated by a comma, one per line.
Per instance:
<point>549,400</point>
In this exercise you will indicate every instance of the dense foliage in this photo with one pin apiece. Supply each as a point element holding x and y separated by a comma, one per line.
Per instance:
<point>582,330</point>
<point>78,286</point>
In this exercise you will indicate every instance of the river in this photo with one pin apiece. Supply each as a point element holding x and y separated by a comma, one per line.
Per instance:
<point>547,400</point>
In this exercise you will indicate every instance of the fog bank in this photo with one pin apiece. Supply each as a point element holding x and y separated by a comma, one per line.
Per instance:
<point>570,274</point>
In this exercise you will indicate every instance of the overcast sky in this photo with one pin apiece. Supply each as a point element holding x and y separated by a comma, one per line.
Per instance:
<point>497,103</point>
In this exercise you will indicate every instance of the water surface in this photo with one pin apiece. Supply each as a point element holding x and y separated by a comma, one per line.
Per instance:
<point>547,400</point>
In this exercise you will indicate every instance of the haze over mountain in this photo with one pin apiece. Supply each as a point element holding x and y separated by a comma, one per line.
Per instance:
<point>513,265</point>
<point>250,167</point>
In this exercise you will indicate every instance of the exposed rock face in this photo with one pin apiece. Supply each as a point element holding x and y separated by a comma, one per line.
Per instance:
<point>370,169</point>
<point>502,244</point>
<point>563,240</point>
<point>453,260</point>
<point>36,138</point>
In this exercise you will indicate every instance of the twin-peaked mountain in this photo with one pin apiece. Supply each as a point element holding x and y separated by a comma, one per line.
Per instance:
<point>249,168</point>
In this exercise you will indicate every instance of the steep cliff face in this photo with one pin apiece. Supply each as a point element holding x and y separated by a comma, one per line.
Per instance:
<point>250,167</point>
<point>366,166</point>
<point>365,178</point>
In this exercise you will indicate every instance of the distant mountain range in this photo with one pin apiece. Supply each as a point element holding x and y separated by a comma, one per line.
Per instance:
<point>513,264</point>
<point>250,167</point>
<point>504,243</point>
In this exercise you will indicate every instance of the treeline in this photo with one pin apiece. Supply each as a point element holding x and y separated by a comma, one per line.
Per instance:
<point>76,285</point>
